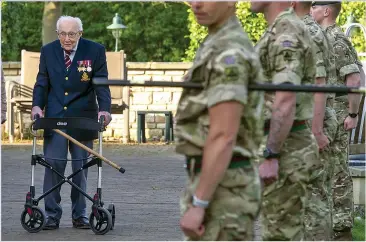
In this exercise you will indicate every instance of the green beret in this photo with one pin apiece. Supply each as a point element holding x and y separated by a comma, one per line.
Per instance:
<point>322,3</point>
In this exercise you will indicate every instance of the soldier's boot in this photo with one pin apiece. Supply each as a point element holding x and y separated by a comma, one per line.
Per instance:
<point>344,235</point>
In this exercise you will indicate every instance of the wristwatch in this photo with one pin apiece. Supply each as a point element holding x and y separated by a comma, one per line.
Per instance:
<point>268,154</point>
<point>199,203</point>
<point>353,115</point>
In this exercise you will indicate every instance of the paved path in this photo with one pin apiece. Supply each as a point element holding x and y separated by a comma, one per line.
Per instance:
<point>146,196</point>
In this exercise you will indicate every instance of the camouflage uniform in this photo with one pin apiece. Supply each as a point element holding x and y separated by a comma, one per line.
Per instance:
<point>225,64</point>
<point>347,62</point>
<point>287,55</point>
<point>317,212</point>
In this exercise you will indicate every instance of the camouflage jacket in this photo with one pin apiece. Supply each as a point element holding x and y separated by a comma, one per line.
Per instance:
<point>324,51</point>
<point>287,55</point>
<point>345,56</point>
<point>225,64</point>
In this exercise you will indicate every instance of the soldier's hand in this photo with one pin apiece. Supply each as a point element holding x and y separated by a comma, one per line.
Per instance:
<point>192,222</point>
<point>350,123</point>
<point>322,140</point>
<point>268,171</point>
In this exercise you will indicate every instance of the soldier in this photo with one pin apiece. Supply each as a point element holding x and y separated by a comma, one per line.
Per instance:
<point>348,69</point>
<point>291,151</point>
<point>324,124</point>
<point>219,130</point>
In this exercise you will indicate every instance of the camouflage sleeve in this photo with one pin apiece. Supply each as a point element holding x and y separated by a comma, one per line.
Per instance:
<point>228,79</point>
<point>320,48</point>
<point>346,59</point>
<point>286,52</point>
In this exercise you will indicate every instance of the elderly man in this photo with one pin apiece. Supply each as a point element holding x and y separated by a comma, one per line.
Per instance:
<point>64,89</point>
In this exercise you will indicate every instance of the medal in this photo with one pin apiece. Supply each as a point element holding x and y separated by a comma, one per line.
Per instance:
<point>85,77</point>
<point>88,69</point>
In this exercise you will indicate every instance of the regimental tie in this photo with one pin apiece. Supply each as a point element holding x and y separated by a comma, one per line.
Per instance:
<point>67,58</point>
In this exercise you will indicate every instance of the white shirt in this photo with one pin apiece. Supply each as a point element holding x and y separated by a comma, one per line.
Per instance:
<point>72,53</point>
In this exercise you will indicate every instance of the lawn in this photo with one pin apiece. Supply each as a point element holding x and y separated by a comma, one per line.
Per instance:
<point>358,231</point>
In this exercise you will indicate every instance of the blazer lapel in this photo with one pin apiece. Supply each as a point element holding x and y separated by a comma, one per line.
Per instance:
<point>78,55</point>
<point>60,56</point>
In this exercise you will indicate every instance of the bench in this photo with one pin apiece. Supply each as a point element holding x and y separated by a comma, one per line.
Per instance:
<point>19,100</point>
<point>169,136</point>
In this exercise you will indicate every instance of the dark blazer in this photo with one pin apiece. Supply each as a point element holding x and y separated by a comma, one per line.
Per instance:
<point>63,93</point>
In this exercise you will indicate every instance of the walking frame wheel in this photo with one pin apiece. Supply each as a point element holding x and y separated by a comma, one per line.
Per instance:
<point>99,217</point>
<point>112,211</point>
<point>33,219</point>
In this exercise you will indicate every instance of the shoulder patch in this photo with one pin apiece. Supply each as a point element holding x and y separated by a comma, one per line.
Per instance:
<point>230,60</point>
<point>287,43</point>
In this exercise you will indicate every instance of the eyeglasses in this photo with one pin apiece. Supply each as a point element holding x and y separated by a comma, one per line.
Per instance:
<point>71,35</point>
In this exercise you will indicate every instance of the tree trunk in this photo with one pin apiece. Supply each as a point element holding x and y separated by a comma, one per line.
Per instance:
<point>51,12</point>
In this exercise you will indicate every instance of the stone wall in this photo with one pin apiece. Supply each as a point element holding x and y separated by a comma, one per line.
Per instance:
<point>141,98</point>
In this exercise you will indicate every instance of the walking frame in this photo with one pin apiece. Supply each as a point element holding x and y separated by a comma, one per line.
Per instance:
<point>33,218</point>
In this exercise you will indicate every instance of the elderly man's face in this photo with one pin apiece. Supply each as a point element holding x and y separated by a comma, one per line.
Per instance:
<point>68,34</point>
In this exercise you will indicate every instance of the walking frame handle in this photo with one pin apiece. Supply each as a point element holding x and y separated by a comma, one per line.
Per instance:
<point>112,164</point>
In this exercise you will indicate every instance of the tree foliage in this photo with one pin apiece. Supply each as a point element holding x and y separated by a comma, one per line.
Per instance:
<point>21,28</point>
<point>255,25</point>
<point>155,31</point>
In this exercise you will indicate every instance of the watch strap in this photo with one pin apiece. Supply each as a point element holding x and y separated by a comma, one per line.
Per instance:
<point>353,115</point>
<point>270,154</point>
<point>199,203</point>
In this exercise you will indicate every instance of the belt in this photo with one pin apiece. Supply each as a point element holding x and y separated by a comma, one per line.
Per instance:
<point>237,161</point>
<point>340,94</point>
<point>296,126</point>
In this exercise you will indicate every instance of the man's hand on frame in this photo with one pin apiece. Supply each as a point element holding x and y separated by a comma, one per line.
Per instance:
<point>107,116</point>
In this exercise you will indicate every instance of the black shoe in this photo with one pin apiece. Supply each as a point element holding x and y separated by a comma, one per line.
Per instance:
<point>51,224</point>
<point>81,223</point>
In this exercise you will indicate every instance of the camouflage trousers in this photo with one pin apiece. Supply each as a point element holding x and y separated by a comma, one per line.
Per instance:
<point>234,207</point>
<point>284,201</point>
<point>318,219</point>
<point>342,185</point>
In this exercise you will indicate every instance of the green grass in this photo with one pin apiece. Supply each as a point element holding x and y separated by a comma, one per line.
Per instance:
<point>358,230</point>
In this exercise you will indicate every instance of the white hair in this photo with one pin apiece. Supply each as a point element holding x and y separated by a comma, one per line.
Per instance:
<point>69,18</point>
